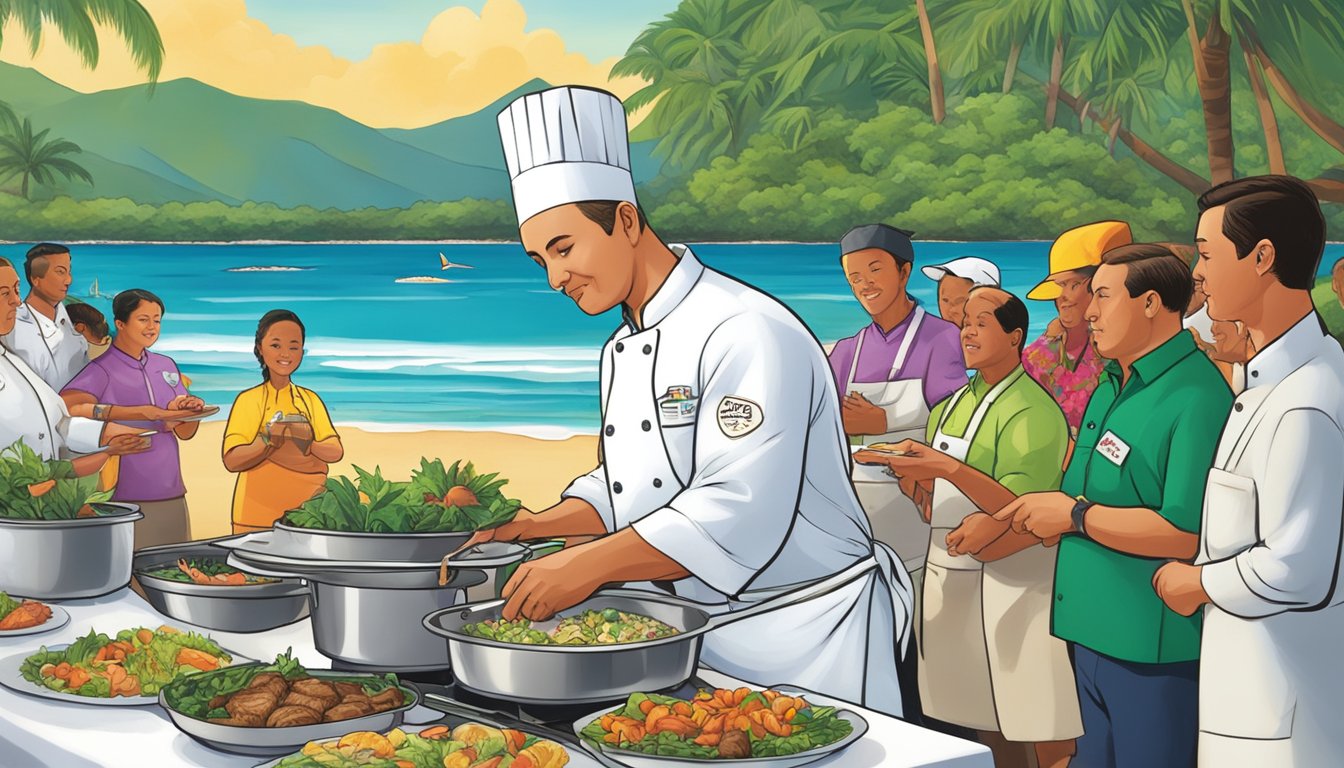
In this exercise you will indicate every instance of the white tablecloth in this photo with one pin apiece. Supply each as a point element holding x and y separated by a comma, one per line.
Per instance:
<point>37,732</point>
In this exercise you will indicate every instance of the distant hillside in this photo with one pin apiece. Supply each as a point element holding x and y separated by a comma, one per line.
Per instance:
<point>187,141</point>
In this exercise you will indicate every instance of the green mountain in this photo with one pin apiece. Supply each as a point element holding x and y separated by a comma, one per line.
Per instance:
<point>185,141</point>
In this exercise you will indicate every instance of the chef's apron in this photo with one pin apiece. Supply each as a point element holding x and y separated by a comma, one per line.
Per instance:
<point>821,645</point>
<point>893,516</point>
<point>267,491</point>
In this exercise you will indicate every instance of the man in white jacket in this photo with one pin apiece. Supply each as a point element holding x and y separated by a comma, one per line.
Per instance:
<point>1271,684</point>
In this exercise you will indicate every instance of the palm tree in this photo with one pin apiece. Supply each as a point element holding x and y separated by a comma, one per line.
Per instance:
<point>937,99</point>
<point>77,19</point>
<point>38,158</point>
<point>8,119</point>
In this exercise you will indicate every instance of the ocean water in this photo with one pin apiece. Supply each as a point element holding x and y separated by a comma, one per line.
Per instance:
<point>492,348</point>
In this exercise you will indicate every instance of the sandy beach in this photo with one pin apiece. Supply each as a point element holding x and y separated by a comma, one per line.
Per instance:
<point>537,470</point>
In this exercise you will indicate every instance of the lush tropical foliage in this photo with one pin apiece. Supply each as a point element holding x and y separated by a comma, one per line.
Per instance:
<point>77,21</point>
<point>34,157</point>
<point>774,106</point>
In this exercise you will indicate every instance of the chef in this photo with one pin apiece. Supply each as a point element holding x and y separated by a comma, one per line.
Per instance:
<point>890,374</point>
<point>31,411</point>
<point>988,661</point>
<point>724,471</point>
<point>43,334</point>
<point>1271,685</point>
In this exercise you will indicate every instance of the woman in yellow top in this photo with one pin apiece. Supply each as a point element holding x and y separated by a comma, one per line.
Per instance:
<point>280,439</point>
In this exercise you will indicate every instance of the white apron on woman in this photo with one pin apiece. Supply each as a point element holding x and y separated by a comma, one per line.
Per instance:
<point>893,516</point>
<point>1271,684</point>
<point>988,660</point>
<point>723,448</point>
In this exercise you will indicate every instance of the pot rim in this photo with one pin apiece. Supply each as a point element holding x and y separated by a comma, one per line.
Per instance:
<point>115,513</point>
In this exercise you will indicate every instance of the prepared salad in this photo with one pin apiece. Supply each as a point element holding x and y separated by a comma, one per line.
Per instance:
<point>724,724</point>
<point>603,627</point>
<point>470,745</point>
<point>136,662</point>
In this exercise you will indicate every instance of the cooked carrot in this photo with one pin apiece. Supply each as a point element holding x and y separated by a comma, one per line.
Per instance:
<point>145,636</point>
<point>78,678</point>
<point>436,732</point>
<point>63,670</point>
<point>198,659</point>
<point>40,489</point>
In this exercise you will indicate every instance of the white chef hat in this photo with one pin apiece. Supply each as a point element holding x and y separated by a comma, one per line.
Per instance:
<point>566,145</point>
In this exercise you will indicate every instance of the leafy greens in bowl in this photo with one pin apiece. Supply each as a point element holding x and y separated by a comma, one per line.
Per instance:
<point>437,499</point>
<point>32,488</point>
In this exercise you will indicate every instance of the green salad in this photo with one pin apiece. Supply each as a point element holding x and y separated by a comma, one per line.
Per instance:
<point>437,499</point>
<point>133,663</point>
<point>32,488</point>
<point>605,627</point>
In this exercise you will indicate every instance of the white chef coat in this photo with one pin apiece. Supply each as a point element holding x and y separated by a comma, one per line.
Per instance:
<point>31,410</point>
<point>51,348</point>
<point>1201,323</point>
<point>1271,682</point>
<point>746,484</point>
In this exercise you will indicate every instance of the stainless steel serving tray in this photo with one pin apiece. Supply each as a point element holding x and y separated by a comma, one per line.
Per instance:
<point>241,608</point>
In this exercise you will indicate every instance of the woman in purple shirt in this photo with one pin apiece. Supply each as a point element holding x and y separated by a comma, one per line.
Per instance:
<point>144,389</point>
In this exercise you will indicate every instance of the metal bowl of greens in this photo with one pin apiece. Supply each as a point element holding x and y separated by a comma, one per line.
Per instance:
<point>210,593</point>
<point>59,536</point>
<point>375,519</point>
<point>272,709</point>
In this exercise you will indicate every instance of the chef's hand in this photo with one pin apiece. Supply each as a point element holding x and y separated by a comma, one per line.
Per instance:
<point>920,462</point>
<point>977,531</point>
<point>517,529</point>
<point>125,445</point>
<point>543,587</point>
<point>1180,587</point>
<point>861,417</point>
<point>1044,515</point>
<point>186,403</point>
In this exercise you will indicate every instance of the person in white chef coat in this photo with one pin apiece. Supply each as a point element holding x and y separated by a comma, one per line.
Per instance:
<point>1271,685</point>
<point>724,472</point>
<point>43,334</point>
<point>31,411</point>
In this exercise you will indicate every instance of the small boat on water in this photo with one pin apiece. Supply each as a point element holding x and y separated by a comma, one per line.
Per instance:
<point>444,263</point>
<point>421,279</point>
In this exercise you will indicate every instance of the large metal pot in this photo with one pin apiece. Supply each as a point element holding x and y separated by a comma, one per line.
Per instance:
<point>240,608</point>
<point>539,674</point>
<point>321,544</point>
<point>68,559</point>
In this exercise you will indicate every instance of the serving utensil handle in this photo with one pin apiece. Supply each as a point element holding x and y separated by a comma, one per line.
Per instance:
<point>811,591</point>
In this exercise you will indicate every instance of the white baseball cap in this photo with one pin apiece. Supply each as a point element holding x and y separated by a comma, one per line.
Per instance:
<point>977,270</point>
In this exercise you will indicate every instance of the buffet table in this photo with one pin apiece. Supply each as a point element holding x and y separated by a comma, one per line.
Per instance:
<point>39,732</point>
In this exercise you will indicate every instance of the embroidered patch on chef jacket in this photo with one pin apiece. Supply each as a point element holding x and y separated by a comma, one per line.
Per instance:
<point>171,377</point>
<point>1113,448</point>
<point>739,417</point>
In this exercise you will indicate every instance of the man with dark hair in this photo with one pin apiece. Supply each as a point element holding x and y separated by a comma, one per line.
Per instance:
<point>44,336</point>
<point>1130,499</point>
<point>724,468</point>
<point>1268,570</point>
<point>987,660</point>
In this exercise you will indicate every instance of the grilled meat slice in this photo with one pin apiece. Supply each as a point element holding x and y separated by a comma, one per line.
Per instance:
<point>270,681</point>
<point>296,699</point>
<point>317,689</point>
<point>389,699</point>
<point>246,721</point>
<point>347,710</point>
<point>348,689</point>
<point>257,702</point>
<point>290,715</point>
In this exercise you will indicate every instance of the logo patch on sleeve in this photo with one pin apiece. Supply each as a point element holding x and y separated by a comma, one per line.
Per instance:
<point>739,417</point>
<point>171,378</point>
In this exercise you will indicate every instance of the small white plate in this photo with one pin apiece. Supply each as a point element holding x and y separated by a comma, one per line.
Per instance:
<point>11,677</point>
<point>210,410</point>
<point>59,618</point>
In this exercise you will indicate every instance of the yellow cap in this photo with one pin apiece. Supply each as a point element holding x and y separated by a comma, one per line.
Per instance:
<point>1079,248</point>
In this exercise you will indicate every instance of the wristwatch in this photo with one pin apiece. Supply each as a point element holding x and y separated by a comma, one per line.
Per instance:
<point>1080,508</point>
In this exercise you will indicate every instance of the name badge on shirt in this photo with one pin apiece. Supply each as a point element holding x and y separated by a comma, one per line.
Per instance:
<point>1113,448</point>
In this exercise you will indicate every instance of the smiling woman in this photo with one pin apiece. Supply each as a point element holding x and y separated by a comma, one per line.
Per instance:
<point>279,439</point>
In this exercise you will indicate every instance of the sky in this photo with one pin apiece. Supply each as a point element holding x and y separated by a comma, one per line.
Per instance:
<point>351,28</point>
<point>384,63</point>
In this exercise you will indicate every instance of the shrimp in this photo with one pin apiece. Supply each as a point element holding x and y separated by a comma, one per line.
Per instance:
<point>200,577</point>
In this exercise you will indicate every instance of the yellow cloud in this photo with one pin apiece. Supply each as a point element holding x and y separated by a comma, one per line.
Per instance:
<point>462,63</point>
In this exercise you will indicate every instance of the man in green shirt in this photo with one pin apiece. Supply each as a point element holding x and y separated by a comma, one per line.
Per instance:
<point>988,661</point>
<point>1131,500</point>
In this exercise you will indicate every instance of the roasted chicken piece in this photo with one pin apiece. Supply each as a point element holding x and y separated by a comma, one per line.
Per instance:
<point>389,699</point>
<point>291,715</point>
<point>270,681</point>
<point>348,709</point>
<point>29,614</point>
<point>348,689</point>
<point>258,703</point>
<point>315,690</point>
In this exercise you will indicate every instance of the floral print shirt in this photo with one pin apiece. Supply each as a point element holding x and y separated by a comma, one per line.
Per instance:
<point>1071,387</point>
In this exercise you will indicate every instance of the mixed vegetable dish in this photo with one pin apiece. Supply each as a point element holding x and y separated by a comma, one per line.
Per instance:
<point>136,662</point>
<point>724,724</point>
<point>437,499</point>
<point>605,627</point>
<point>470,745</point>
<point>208,571</point>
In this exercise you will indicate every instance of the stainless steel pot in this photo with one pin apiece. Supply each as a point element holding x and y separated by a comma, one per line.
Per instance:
<point>540,674</point>
<point>68,559</point>
<point>386,547</point>
<point>241,608</point>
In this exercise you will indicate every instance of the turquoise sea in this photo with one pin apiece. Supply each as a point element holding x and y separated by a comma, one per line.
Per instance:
<point>493,348</point>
